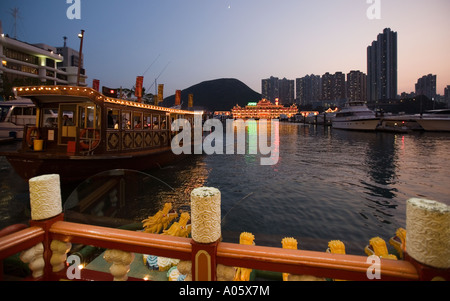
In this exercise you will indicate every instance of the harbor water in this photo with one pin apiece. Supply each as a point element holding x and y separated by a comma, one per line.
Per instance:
<point>327,185</point>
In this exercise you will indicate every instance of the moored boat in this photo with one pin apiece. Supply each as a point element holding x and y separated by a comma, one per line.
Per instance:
<point>356,116</point>
<point>14,115</point>
<point>92,133</point>
<point>435,120</point>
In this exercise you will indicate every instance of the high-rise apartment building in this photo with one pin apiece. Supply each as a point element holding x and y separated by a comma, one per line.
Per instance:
<point>282,89</point>
<point>382,67</point>
<point>286,91</point>
<point>270,88</point>
<point>333,86</point>
<point>308,89</point>
<point>426,85</point>
<point>339,86</point>
<point>327,86</point>
<point>356,86</point>
<point>447,95</point>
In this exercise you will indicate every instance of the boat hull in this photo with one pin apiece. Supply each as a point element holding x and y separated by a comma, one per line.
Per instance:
<point>8,129</point>
<point>356,125</point>
<point>78,168</point>
<point>435,125</point>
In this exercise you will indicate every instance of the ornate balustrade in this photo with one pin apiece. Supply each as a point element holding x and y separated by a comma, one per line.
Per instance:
<point>46,243</point>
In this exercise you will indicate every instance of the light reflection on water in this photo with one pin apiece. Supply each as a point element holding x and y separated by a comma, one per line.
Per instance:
<point>328,184</point>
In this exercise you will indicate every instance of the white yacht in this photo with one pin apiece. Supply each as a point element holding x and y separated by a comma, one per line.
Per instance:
<point>435,120</point>
<point>356,116</point>
<point>14,115</point>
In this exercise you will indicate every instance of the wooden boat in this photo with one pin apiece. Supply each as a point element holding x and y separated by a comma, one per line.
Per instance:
<point>92,133</point>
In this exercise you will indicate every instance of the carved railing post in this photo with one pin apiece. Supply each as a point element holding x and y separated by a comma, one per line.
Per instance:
<point>59,254</point>
<point>121,262</point>
<point>35,259</point>
<point>46,209</point>
<point>205,231</point>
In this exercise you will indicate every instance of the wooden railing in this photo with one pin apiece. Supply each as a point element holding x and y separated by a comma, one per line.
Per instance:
<point>204,257</point>
<point>319,264</point>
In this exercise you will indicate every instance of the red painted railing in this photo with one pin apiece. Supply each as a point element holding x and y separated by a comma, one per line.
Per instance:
<point>300,262</point>
<point>47,242</point>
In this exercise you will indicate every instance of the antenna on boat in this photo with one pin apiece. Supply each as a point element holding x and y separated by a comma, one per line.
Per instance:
<point>156,86</point>
<point>151,64</point>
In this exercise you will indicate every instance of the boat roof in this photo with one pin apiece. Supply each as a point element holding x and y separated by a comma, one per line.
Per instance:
<point>61,94</point>
<point>440,111</point>
<point>20,102</point>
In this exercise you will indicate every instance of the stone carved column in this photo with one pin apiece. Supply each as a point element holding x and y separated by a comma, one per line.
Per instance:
<point>206,215</point>
<point>59,254</point>
<point>35,259</point>
<point>428,237</point>
<point>205,231</point>
<point>121,262</point>
<point>45,197</point>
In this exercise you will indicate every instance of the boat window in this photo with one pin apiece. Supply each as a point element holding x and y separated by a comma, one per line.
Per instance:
<point>113,119</point>
<point>29,111</point>
<point>4,112</point>
<point>126,120</point>
<point>155,122</point>
<point>67,120</point>
<point>163,122</point>
<point>147,121</point>
<point>68,117</point>
<point>50,118</point>
<point>17,111</point>
<point>99,118</point>
<point>88,118</point>
<point>137,120</point>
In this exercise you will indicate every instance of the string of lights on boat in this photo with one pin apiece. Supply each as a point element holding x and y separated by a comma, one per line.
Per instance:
<point>97,96</point>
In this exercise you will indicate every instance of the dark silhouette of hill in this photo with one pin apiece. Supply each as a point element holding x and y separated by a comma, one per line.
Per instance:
<point>216,95</point>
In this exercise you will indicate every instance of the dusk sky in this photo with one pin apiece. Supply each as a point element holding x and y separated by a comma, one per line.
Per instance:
<point>250,40</point>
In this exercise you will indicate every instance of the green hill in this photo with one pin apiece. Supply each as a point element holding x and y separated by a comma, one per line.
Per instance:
<point>216,95</point>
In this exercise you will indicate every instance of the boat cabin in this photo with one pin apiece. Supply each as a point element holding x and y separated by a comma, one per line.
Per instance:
<point>82,121</point>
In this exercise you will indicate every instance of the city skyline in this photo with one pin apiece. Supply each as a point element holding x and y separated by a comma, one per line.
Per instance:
<point>187,42</point>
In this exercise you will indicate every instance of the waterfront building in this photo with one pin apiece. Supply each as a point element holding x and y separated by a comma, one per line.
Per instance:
<point>308,89</point>
<point>327,86</point>
<point>447,95</point>
<point>382,67</point>
<point>287,91</point>
<point>356,86</point>
<point>70,65</point>
<point>270,88</point>
<point>333,88</point>
<point>426,85</point>
<point>264,109</point>
<point>37,64</point>
<point>339,86</point>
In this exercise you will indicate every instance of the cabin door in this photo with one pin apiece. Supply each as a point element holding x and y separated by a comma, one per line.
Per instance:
<point>89,123</point>
<point>67,123</point>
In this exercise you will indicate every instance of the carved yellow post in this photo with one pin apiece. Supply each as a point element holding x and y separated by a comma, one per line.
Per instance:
<point>206,232</point>
<point>428,238</point>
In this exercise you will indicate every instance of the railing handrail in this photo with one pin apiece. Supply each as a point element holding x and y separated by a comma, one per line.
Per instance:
<point>49,238</point>
<point>320,264</point>
<point>20,240</point>
<point>124,240</point>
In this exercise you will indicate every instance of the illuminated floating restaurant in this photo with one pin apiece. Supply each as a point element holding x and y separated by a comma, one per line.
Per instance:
<point>264,109</point>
